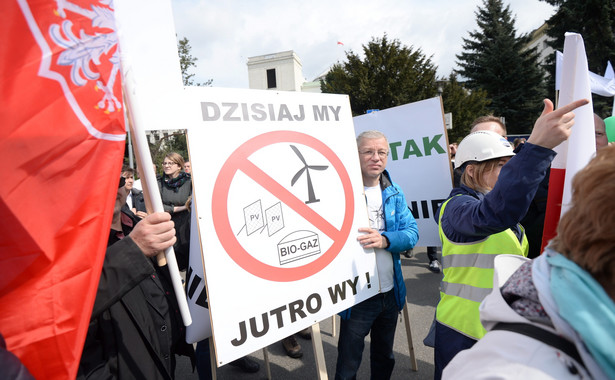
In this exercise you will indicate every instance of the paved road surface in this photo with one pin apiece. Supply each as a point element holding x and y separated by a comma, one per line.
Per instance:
<point>422,286</point>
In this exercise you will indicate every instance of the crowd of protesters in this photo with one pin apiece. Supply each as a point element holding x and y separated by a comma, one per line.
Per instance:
<point>485,307</point>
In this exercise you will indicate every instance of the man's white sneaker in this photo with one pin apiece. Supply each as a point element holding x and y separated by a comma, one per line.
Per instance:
<point>434,266</point>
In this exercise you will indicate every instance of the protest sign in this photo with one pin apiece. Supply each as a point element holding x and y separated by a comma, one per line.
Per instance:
<point>196,292</point>
<point>418,161</point>
<point>279,201</point>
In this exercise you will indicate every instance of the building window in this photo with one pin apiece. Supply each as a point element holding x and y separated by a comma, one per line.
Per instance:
<point>271,83</point>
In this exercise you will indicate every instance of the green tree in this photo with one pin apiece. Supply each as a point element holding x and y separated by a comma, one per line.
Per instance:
<point>595,21</point>
<point>175,141</point>
<point>186,61</point>
<point>465,106</point>
<point>390,75</point>
<point>495,59</point>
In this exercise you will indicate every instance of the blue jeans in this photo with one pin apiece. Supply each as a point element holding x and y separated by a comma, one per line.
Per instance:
<point>377,314</point>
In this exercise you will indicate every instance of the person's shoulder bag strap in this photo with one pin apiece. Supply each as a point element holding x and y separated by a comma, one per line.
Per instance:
<point>544,336</point>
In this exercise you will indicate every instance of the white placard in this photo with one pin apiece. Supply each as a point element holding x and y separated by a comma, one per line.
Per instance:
<point>150,61</point>
<point>279,200</point>
<point>196,293</point>
<point>419,160</point>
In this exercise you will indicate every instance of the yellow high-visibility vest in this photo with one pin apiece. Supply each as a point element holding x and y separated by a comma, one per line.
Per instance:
<point>468,277</point>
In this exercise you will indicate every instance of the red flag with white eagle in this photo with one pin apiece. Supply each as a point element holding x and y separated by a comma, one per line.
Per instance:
<point>577,151</point>
<point>62,143</point>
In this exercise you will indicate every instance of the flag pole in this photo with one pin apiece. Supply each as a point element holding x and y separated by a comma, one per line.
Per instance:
<point>151,191</point>
<point>149,207</point>
<point>148,46</point>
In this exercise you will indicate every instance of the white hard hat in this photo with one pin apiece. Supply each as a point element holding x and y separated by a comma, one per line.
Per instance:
<point>482,146</point>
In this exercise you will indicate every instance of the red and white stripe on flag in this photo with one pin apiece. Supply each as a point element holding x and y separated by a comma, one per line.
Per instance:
<point>576,152</point>
<point>62,142</point>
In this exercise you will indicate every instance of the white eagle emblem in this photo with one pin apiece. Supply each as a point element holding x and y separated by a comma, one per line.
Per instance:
<point>80,51</point>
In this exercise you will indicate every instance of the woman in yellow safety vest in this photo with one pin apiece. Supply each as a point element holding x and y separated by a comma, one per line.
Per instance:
<point>480,220</point>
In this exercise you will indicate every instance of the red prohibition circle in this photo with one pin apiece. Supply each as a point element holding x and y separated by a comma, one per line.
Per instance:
<point>239,161</point>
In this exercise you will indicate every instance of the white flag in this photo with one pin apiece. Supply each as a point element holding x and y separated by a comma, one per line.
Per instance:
<point>608,73</point>
<point>599,85</point>
<point>559,59</point>
<point>581,145</point>
<point>574,153</point>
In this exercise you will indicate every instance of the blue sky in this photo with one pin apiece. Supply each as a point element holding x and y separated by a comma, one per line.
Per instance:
<point>223,34</point>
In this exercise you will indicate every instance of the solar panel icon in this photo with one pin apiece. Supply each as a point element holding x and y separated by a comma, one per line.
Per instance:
<point>253,215</point>
<point>275,220</point>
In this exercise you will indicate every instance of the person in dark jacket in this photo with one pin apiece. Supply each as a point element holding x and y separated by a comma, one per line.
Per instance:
<point>133,210</point>
<point>175,190</point>
<point>12,368</point>
<point>135,328</point>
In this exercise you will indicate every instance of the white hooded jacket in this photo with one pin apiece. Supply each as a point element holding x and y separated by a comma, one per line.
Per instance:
<point>510,355</point>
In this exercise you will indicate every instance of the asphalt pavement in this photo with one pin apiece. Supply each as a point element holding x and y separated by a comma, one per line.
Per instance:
<point>422,286</point>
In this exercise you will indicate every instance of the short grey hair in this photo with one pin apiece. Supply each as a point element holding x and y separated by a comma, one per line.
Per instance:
<point>373,134</point>
<point>488,119</point>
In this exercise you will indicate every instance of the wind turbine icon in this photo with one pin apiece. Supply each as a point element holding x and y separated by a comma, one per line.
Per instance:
<point>306,168</point>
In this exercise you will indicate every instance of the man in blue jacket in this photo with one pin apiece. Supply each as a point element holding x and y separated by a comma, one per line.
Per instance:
<point>392,230</point>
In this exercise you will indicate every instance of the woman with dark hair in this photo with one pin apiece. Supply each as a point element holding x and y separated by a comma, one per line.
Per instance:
<point>175,190</point>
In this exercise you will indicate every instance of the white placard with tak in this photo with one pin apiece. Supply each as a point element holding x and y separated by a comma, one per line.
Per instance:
<point>279,201</point>
<point>419,161</point>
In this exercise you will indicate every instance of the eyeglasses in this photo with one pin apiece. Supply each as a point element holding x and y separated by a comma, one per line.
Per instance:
<point>168,163</point>
<point>369,153</point>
